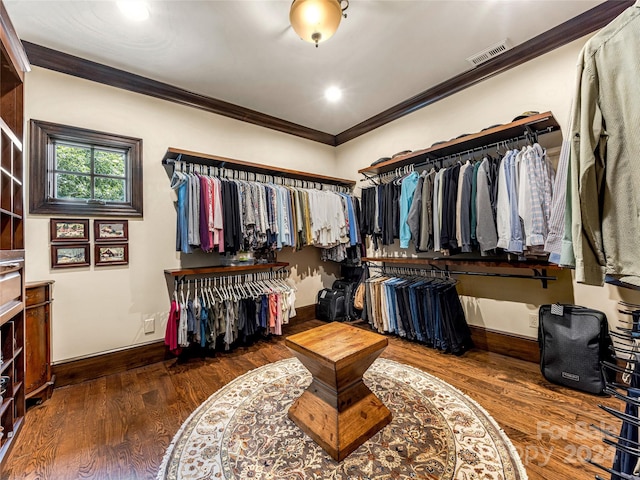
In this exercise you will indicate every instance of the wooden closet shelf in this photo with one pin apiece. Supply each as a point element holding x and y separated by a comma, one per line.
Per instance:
<point>17,388</point>
<point>541,123</point>
<point>10,133</point>
<point>216,161</point>
<point>225,269</point>
<point>448,261</point>
<point>9,213</point>
<point>6,364</point>
<point>5,404</point>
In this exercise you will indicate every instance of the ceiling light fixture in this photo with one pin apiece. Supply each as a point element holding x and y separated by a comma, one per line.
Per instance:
<point>317,20</point>
<point>134,10</point>
<point>333,94</point>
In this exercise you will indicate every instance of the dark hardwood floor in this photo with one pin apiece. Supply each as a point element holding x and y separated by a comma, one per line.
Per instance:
<point>118,427</point>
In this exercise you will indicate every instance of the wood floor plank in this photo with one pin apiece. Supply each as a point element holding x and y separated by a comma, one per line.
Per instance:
<point>118,427</point>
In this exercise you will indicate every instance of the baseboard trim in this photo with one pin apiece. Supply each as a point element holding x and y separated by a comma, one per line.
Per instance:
<point>81,370</point>
<point>308,312</point>
<point>508,344</point>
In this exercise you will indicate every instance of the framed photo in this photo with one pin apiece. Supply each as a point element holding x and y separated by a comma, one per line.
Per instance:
<point>70,255</point>
<point>69,230</point>
<point>111,230</point>
<point>112,254</point>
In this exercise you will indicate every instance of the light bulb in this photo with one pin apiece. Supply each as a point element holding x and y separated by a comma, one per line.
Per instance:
<point>134,10</point>
<point>333,94</point>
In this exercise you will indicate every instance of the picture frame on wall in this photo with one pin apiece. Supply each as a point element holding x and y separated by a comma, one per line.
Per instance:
<point>111,254</point>
<point>111,230</point>
<point>70,255</point>
<point>69,230</point>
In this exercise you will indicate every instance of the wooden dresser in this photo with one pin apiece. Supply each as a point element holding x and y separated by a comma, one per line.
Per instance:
<point>38,378</point>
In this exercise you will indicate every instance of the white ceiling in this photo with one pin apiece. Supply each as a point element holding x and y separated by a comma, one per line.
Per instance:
<point>244,51</point>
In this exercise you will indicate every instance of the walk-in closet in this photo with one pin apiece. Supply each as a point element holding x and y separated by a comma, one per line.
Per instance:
<point>319,239</point>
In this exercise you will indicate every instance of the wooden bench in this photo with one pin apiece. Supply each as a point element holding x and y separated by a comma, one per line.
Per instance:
<point>338,411</point>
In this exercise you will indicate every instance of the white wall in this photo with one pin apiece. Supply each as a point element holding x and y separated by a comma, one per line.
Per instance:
<point>543,84</point>
<point>102,309</point>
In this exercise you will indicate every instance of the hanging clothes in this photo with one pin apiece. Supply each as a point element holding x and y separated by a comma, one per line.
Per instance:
<point>217,316</point>
<point>407,189</point>
<point>427,310</point>
<point>485,225</point>
<point>502,202</point>
<point>230,215</point>
<point>603,196</point>
<point>426,236</point>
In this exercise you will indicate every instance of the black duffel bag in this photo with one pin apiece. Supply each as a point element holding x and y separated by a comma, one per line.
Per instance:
<point>573,341</point>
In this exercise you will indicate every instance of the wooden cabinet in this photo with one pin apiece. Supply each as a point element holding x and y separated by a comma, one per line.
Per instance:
<point>13,65</point>
<point>37,338</point>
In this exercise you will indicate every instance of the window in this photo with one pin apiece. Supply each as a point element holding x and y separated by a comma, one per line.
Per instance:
<point>84,172</point>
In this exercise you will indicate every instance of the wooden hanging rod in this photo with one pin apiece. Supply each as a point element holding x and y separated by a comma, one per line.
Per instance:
<point>225,270</point>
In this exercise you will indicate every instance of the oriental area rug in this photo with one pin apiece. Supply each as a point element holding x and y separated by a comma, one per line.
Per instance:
<point>437,433</point>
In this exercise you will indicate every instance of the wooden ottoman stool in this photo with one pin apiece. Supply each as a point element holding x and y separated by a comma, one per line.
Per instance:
<point>337,410</point>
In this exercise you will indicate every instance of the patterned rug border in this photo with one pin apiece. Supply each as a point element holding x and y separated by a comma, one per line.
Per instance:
<point>473,403</point>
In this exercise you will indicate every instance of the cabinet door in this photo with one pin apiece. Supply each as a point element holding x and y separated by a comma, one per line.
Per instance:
<point>37,348</point>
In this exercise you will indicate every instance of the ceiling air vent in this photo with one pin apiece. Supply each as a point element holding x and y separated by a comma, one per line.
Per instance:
<point>489,53</point>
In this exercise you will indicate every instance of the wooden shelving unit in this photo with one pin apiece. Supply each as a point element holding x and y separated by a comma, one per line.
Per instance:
<point>13,65</point>
<point>176,154</point>
<point>540,124</point>
<point>225,270</point>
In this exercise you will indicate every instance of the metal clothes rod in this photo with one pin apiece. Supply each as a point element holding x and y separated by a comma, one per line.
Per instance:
<point>280,273</point>
<point>410,271</point>
<point>536,276</point>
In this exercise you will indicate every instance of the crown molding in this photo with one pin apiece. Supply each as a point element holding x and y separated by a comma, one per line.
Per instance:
<point>79,67</point>
<point>584,24</point>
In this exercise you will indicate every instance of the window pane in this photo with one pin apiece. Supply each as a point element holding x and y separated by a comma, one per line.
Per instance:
<point>73,159</point>
<point>109,163</point>
<point>73,186</point>
<point>110,189</point>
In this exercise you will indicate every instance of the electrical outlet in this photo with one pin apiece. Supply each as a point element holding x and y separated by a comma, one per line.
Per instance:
<point>533,320</point>
<point>150,325</point>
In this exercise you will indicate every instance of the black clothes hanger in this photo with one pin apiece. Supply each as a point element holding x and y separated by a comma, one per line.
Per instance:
<point>622,448</point>
<point>615,351</point>
<point>633,420</point>
<point>618,369</point>
<point>624,476</point>
<point>619,386</point>
<point>613,435</point>
<point>624,398</point>
<point>621,336</point>
<point>629,304</point>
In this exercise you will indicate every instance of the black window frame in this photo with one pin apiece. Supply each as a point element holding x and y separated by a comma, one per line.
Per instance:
<point>44,135</point>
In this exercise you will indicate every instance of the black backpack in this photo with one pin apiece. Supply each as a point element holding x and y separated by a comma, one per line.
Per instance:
<point>331,305</point>
<point>573,342</point>
<point>348,287</point>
